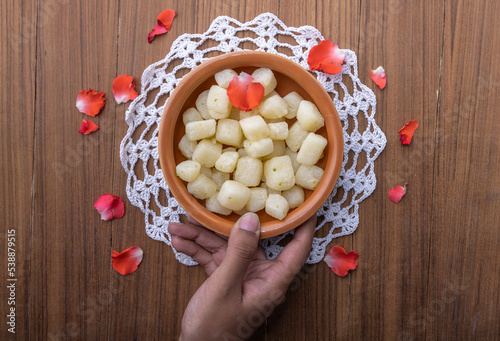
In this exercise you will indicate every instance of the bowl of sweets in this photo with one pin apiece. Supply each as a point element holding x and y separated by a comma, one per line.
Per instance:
<point>250,131</point>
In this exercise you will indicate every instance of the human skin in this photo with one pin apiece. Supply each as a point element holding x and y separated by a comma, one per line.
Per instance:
<point>243,286</point>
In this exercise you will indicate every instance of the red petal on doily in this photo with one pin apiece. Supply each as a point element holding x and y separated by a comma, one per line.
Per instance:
<point>326,57</point>
<point>406,133</point>
<point>123,89</point>
<point>397,193</point>
<point>110,206</point>
<point>244,94</point>
<point>378,76</point>
<point>164,23</point>
<point>90,102</point>
<point>128,260</point>
<point>88,127</point>
<point>340,261</point>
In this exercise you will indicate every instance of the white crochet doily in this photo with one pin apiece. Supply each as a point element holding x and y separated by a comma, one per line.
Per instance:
<point>355,103</point>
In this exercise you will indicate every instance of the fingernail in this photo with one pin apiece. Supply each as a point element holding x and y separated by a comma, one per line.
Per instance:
<point>250,222</point>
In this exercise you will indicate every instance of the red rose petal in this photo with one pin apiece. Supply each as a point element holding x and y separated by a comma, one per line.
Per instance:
<point>164,23</point>
<point>110,206</point>
<point>326,57</point>
<point>378,76</point>
<point>128,260</point>
<point>165,18</point>
<point>88,127</point>
<point>406,133</point>
<point>157,30</point>
<point>90,102</point>
<point>397,193</point>
<point>340,261</point>
<point>123,89</point>
<point>244,94</point>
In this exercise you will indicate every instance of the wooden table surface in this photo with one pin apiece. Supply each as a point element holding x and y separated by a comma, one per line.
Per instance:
<point>429,267</point>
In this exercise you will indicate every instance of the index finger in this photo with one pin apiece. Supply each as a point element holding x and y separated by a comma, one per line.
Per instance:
<point>198,234</point>
<point>295,254</point>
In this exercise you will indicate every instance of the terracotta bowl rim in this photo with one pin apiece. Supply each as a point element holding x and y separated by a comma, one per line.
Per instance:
<point>238,59</point>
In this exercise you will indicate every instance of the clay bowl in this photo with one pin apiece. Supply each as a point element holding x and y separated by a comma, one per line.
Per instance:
<point>290,77</point>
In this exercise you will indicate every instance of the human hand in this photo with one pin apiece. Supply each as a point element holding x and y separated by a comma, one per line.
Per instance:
<point>243,286</point>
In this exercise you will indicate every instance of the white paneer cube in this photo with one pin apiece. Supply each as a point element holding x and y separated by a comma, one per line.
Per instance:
<point>191,115</point>
<point>269,190</point>
<point>293,100</point>
<point>227,161</point>
<point>277,206</point>
<point>233,195</point>
<point>273,107</point>
<point>272,93</point>
<point>309,116</point>
<point>188,170</point>
<point>224,77</point>
<point>187,147</point>
<point>308,177</point>
<point>242,152</point>
<point>296,135</point>
<point>218,103</point>
<point>248,171</point>
<point>201,105</point>
<point>265,77</point>
<point>279,148</point>
<point>200,129</point>
<point>206,171</point>
<point>254,128</point>
<point>213,205</point>
<point>312,149</point>
<point>275,120</point>
<point>259,148</point>
<point>293,157</point>
<point>279,173</point>
<point>278,131</point>
<point>229,132</point>
<point>294,196</point>
<point>245,114</point>
<point>219,177</point>
<point>202,187</point>
<point>258,198</point>
<point>207,153</point>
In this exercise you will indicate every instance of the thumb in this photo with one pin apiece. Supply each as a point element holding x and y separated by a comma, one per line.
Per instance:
<point>242,244</point>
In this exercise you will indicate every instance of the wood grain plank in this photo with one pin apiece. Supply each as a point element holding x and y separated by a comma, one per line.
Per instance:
<point>70,263</point>
<point>17,102</point>
<point>389,287</point>
<point>463,298</point>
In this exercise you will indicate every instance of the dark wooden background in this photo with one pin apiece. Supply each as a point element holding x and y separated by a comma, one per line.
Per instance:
<point>429,267</point>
